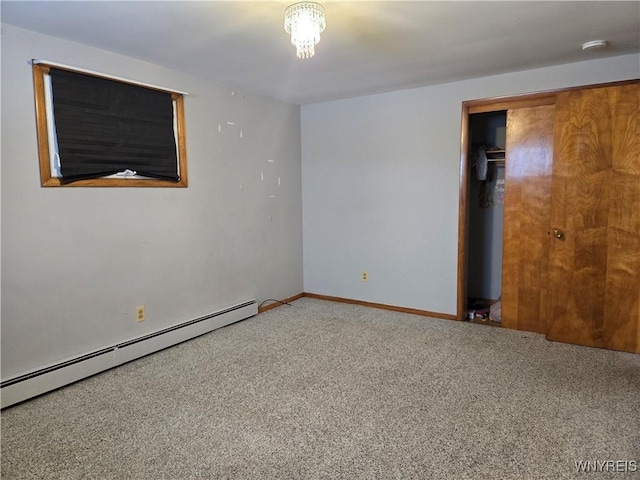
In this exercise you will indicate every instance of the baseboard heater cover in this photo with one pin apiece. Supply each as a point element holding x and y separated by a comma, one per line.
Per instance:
<point>43,380</point>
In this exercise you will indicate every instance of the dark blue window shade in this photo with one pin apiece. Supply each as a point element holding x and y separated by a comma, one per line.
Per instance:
<point>105,127</point>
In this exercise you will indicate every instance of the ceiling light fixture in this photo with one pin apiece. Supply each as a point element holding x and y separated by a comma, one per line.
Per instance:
<point>304,21</point>
<point>594,44</point>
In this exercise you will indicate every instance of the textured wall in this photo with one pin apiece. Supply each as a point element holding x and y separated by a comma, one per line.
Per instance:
<point>76,262</point>
<point>381,184</point>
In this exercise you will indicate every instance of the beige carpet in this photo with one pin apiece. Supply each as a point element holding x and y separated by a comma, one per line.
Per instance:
<point>324,390</point>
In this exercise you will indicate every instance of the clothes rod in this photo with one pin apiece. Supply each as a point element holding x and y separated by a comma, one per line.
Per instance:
<point>99,74</point>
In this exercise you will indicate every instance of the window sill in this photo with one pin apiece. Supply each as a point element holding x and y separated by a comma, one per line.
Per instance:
<point>115,182</point>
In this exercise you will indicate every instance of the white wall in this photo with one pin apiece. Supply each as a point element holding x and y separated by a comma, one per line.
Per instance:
<point>380,179</point>
<point>77,261</point>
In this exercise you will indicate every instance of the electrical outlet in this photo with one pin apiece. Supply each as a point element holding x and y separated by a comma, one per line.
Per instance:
<point>140,315</point>
<point>365,277</point>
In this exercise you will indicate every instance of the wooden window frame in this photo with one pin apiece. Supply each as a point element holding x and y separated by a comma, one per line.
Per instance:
<point>44,154</point>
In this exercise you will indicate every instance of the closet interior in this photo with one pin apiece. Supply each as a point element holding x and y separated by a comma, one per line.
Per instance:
<point>487,135</point>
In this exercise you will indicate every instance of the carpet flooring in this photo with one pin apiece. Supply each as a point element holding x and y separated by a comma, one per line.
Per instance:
<point>325,390</point>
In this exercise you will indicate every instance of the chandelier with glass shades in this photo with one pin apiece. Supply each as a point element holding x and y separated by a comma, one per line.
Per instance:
<point>304,21</point>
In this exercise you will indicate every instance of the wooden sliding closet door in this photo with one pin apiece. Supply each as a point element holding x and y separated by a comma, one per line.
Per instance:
<point>594,256</point>
<point>529,159</point>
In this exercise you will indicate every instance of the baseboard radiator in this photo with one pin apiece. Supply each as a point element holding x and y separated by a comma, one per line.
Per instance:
<point>37,382</point>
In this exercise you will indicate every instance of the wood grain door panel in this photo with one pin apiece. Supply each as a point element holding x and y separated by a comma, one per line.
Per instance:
<point>529,160</point>
<point>594,270</point>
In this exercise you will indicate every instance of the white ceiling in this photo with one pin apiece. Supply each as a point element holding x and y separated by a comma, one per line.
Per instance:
<point>367,47</point>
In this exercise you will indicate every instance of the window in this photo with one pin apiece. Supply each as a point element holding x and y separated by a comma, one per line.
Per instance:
<point>99,131</point>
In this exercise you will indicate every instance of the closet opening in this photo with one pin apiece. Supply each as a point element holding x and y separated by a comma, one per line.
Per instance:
<point>503,216</point>
<point>486,174</point>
